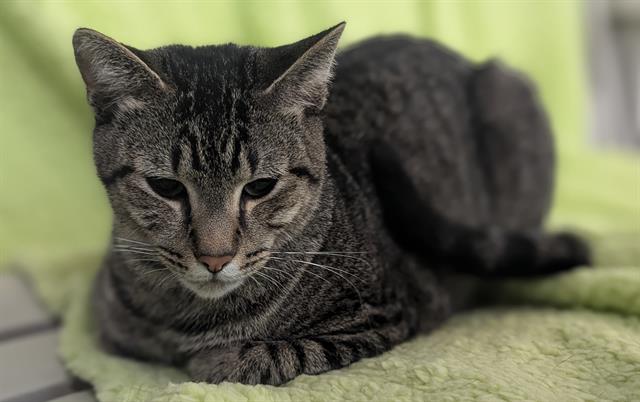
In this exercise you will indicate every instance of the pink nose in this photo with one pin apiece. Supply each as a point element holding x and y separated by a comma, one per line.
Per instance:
<point>215,264</point>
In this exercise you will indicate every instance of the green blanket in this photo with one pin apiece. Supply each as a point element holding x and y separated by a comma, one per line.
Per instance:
<point>574,337</point>
<point>580,343</point>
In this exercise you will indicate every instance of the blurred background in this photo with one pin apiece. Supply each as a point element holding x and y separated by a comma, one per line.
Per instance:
<point>584,56</point>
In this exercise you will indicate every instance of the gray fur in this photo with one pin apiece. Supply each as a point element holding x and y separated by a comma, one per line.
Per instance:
<point>412,162</point>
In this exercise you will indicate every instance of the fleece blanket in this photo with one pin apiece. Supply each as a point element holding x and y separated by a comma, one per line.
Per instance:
<point>573,337</point>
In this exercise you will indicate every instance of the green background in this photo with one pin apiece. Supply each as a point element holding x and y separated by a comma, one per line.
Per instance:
<point>53,210</point>
<point>51,203</point>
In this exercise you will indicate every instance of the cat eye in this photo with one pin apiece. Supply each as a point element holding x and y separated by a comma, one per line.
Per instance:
<point>259,188</point>
<point>167,188</point>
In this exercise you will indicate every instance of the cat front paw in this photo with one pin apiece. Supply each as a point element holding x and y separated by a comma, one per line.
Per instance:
<point>213,365</point>
<point>251,363</point>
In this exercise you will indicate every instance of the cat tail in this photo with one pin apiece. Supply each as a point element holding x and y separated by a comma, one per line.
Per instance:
<point>496,252</point>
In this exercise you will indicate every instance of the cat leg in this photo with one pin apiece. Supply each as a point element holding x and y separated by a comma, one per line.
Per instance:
<point>275,362</point>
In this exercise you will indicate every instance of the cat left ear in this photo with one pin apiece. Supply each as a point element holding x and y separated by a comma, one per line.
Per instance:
<point>300,73</point>
<point>114,74</point>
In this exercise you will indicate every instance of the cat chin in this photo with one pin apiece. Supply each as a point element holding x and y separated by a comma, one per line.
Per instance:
<point>212,289</point>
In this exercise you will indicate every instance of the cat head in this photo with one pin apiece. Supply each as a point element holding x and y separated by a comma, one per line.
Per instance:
<point>211,156</point>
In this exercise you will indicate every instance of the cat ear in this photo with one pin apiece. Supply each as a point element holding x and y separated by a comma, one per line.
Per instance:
<point>113,74</point>
<point>299,74</point>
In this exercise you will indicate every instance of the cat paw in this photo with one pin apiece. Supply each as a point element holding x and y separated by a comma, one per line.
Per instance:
<point>213,365</point>
<point>250,363</point>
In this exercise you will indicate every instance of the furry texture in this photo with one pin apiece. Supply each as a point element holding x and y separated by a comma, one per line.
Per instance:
<point>585,347</point>
<point>413,162</point>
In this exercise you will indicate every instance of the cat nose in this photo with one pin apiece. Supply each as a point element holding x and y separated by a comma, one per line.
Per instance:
<point>215,264</point>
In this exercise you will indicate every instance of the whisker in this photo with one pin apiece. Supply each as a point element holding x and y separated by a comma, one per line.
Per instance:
<point>142,260</point>
<point>288,274</point>
<point>333,270</point>
<point>255,280</point>
<point>326,253</point>
<point>252,262</point>
<point>132,241</point>
<point>278,285</point>
<point>328,267</point>
<point>132,248</point>
<point>166,278</point>
<point>314,274</point>
<point>153,271</point>
<point>271,280</point>
<point>132,245</point>
<point>261,275</point>
<point>163,281</point>
<point>321,252</point>
<point>135,252</point>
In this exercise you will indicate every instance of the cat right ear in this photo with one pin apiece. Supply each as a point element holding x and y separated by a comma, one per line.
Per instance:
<point>114,75</point>
<point>299,74</point>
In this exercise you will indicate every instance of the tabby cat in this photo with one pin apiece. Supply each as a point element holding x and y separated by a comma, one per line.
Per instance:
<point>272,220</point>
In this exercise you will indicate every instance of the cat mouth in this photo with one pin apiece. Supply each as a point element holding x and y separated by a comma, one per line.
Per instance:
<point>212,288</point>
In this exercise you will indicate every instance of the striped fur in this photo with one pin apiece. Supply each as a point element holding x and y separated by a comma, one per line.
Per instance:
<point>380,182</point>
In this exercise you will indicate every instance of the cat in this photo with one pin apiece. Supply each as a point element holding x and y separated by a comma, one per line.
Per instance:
<point>276,215</point>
